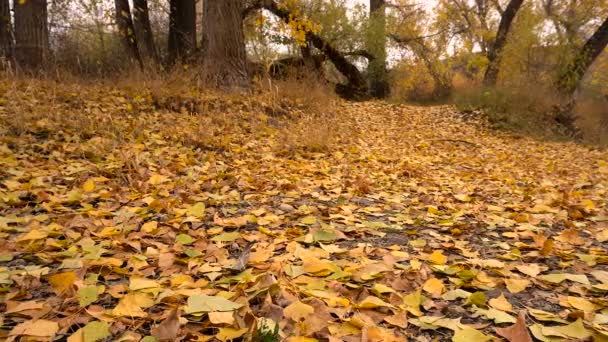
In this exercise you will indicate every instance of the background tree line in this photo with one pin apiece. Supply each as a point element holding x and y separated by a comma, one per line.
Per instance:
<point>388,46</point>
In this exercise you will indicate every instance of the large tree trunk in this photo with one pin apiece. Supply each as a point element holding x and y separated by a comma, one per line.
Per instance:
<point>224,56</point>
<point>571,78</point>
<point>143,30</point>
<point>31,33</point>
<point>506,19</point>
<point>376,45</point>
<point>6,32</point>
<point>126,30</point>
<point>182,30</point>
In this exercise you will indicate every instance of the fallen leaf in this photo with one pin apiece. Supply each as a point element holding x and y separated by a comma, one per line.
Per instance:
<point>515,285</point>
<point>204,303</point>
<point>168,329</point>
<point>517,332</point>
<point>298,311</point>
<point>36,328</point>
<point>501,303</point>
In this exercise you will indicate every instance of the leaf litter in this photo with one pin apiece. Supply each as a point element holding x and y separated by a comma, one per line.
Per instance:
<point>126,221</point>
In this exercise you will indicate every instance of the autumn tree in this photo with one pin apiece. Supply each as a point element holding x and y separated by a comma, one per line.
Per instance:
<point>182,29</point>
<point>143,30</point>
<point>6,31</point>
<point>224,58</point>
<point>376,45</point>
<point>494,52</point>
<point>31,33</point>
<point>572,76</point>
<point>126,30</point>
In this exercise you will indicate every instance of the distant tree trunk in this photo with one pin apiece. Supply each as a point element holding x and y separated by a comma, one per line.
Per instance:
<point>182,30</point>
<point>31,33</point>
<point>224,56</point>
<point>506,19</point>
<point>126,31</point>
<point>571,78</point>
<point>6,31</point>
<point>376,45</point>
<point>143,30</point>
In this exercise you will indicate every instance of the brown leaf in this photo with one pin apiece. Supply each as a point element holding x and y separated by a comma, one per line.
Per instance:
<point>517,332</point>
<point>168,329</point>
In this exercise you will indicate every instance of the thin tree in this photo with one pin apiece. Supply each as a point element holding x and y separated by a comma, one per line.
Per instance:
<point>376,45</point>
<point>6,31</point>
<point>126,30</point>
<point>494,52</point>
<point>224,56</point>
<point>31,33</point>
<point>143,30</point>
<point>182,30</point>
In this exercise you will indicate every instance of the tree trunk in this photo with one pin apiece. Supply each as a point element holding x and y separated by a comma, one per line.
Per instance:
<point>124,22</point>
<point>376,45</point>
<point>182,30</point>
<point>571,78</point>
<point>224,55</point>
<point>6,32</point>
<point>143,30</point>
<point>31,33</point>
<point>506,19</point>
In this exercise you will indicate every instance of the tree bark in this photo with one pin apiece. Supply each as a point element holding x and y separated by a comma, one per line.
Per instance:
<point>126,30</point>
<point>572,77</point>
<point>6,32</point>
<point>143,30</point>
<point>224,55</point>
<point>31,33</point>
<point>506,19</point>
<point>376,44</point>
<point>182,30</point>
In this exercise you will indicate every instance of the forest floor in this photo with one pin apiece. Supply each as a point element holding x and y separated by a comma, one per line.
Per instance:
<point>129,216</point>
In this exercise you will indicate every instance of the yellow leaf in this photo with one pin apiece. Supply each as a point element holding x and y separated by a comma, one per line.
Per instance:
<point>574,330</point>
<point>501,303</point>
<point>371,302</point>
<point>434,287</point>
<point>298,311</point>
<point>221,317</point>
<point>581,304</point>
<point>602,236</point>
<point>438,258</point>
<point>36,328</point>
<point>156,179</point>
<point>515,285</point>
<point>34,234</point>
<point>229,334</point>
<point>197,210</point>
<point>470,335</point>
<point>128,307</point>
<point>142,283</point>
<point>88,186</point>
<point>62,282</point>
<point>531,270</point>
<point>149,227</point>
<point>308,220</point>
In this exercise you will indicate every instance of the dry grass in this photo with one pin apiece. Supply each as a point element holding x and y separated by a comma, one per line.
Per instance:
<point>593,120</point>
